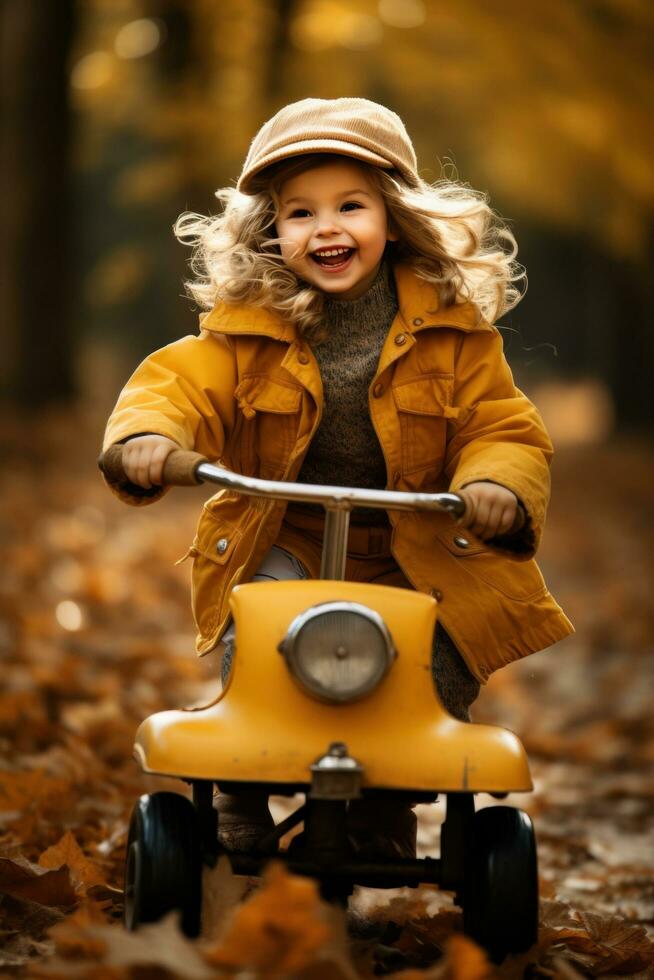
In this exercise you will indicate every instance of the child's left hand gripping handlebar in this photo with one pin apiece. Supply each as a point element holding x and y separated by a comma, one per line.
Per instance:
<point>180,468</point>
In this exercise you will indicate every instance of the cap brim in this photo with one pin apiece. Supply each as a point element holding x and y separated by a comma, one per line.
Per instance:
<point>309,146</point>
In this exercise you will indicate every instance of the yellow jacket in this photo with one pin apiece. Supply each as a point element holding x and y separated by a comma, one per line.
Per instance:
<point>247,392</point>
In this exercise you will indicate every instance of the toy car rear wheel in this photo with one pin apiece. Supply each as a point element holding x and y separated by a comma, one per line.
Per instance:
<point>163,868</point>
<point>500,909</point>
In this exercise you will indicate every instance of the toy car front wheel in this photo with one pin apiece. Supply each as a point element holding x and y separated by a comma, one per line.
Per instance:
<point>164,865</point>
<point>500,909</point>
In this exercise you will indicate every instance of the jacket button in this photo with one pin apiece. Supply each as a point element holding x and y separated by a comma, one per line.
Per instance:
<point>400,340</point>
<point>461,542</point>
<point>437,595</point>
<point>221,545</point>
<point>303,358</point>
<point>378,390</point>
<point>418,321</point>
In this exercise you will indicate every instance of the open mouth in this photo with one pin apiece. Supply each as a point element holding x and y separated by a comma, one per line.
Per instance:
<point>334,259</point>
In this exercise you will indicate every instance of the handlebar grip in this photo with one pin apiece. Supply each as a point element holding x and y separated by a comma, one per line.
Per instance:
<point>179,468</point>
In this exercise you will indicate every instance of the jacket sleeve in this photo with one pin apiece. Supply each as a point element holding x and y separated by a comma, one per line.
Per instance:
<point>183,391</point>
<point>499,436</point>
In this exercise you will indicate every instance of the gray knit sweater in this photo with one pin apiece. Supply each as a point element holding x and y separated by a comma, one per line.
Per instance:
<point>345,450</point>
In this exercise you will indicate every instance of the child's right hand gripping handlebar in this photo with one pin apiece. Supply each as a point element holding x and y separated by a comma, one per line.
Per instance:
<point>179,468</point>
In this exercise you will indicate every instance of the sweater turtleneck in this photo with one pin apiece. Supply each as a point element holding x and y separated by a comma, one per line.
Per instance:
<point>378,303</point>
<point>345,450</point>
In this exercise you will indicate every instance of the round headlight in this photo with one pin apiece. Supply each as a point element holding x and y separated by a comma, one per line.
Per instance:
<point>339,651</point>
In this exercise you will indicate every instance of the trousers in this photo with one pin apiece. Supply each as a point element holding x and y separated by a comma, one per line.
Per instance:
<point>296,555</point>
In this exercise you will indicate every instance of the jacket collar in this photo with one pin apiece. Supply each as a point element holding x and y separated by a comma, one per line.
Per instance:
<point>244,318</point>
<point>418,302</point>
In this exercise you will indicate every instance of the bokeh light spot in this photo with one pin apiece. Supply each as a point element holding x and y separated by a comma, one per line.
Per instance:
<point>402,13</point>
<point>138,38</point>
<point>69,615</point>
<point>92,71</point>
<point>361,31</point>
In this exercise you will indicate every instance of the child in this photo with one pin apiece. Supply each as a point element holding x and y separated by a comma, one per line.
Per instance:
<point>350,342</point>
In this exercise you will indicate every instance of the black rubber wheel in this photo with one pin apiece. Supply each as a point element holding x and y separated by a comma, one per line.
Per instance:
<point>163,869</point>
<point>500,908</point>
<point>336,893</point>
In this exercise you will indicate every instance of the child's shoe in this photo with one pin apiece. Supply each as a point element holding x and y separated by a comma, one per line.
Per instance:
<point>243,819</point>
<point>382,829</point>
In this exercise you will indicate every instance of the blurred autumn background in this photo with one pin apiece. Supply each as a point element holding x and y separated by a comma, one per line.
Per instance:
<point>117,115</point>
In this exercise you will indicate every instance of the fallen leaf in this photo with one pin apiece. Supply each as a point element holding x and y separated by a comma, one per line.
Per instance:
<point>67,852</point>
<point>72,938</point>
<point>466,960</point>
<point>160,944</point>
<point>22,879</point>
<point>615,945</point>
<point>280,929</point>
<point>222,891</point>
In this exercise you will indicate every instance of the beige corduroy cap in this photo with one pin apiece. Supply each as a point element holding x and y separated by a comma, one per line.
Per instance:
<point>354,127</point>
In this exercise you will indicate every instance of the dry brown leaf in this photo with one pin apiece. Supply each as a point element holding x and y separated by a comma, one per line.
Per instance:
<point>463,960</point>
<point>22,879</point>
<point>160,945</point>
<point>68,852</point>
<point>557,922</point>
<point>221,893</point>
<point>565,970</point>
<point>615,946</point>
<point>425,938</point>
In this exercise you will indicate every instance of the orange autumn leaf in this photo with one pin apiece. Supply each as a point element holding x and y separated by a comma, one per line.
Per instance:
<point>467,961</point>
<point>68,852</point>
<point>280,929</point>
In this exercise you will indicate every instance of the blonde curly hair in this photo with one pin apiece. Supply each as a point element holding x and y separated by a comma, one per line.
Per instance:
<point>447,231</point>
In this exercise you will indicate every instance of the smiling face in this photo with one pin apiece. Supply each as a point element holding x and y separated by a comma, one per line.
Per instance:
<point>334,224</point>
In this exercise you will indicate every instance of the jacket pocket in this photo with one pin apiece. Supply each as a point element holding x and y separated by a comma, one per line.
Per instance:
<point>213,547</point>
<point>271,414</point>
<point>424,406</point>
<point>520,580</point>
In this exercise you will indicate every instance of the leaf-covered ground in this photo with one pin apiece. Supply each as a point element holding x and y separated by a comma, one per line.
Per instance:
<point>96,633</point>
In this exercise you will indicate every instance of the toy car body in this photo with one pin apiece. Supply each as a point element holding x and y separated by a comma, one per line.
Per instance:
<point>331,696</point>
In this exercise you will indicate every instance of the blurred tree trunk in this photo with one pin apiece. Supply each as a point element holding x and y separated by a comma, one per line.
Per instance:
<point>631,377</point>
<point>280,52</point>
<point>35,38</point>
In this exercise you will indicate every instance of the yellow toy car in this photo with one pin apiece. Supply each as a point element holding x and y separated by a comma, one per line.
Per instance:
<point>338,656</point>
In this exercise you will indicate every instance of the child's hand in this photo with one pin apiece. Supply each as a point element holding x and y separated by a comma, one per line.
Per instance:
<point>491,509</point>
<point>144,458</point>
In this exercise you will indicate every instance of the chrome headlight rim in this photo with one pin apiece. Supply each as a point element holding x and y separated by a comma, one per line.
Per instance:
<point>288,647</point>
